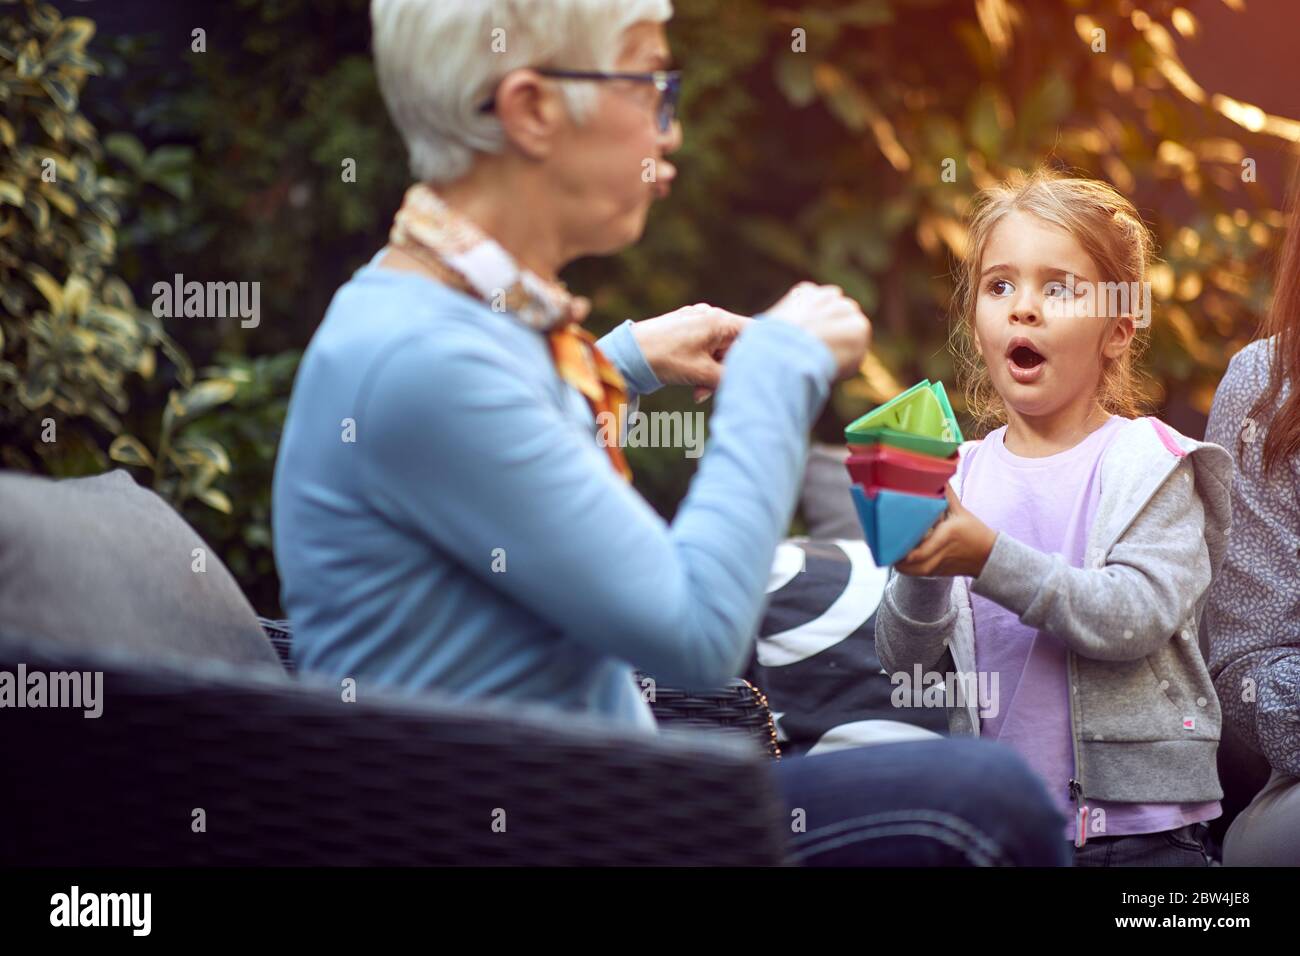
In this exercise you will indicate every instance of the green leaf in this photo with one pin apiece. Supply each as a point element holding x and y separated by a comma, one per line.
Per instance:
<point>71,37</point>
<point>177,182</point>
<point>106,210</point>
<point>54,122</point>
<point>116,293</point>
<point>130,451</point>
<point>61,90</point>
<point>78,61</point>
<point>79,129</point>
<point>76,295</point>
<point>204,451</point>
<point>47,286</point>
<point>59,199</point>
<point>44,16</point>
<point>216,500</point>
<point>38,388</point>
<point>849,105</point>
<point>38,211</point>
<point>794,76</point>
<point>126,148</point>
<point>29,61</point>
<point>13,300</point>
<point>184,368</point>
<point>113,319</point>
<point>146,364</point>
<point>100,237</point>
<point>11,194</point>
<point>168,159</point>
<point>204,397</point>
<point>78,341</point>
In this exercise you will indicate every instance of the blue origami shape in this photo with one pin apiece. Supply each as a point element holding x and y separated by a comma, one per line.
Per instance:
<point>895,521</point>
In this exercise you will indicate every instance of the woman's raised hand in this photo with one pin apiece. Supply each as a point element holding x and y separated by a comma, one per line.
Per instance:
<point>830,315</point>
<point>687,346</point>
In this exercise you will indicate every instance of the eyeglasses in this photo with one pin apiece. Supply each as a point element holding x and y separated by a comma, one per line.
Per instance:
<point>667,82</point>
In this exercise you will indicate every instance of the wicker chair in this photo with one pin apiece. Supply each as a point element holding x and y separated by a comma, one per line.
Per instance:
<point>739,706</point>
<point>282,772</point>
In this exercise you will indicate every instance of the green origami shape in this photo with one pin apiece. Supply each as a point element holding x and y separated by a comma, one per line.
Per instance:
<point>920,419</point>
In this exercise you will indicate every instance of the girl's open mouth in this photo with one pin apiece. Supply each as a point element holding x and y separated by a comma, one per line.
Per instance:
<point>1024,362</point>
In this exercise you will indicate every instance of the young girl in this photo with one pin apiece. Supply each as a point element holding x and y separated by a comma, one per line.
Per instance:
<point>1080,540</point>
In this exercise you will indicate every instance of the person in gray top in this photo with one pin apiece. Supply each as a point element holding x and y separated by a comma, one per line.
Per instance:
<point>1253,615</point>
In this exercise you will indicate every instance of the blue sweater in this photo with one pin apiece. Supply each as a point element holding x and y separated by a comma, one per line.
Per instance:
<point>445,520</point>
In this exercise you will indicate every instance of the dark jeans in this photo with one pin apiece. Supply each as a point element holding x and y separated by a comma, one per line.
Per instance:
<point>1184,846</point>
<point>947,802</point>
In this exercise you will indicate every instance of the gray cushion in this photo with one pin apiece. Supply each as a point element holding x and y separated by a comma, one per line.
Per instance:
<point>825,499</point>
<point>101,562</point>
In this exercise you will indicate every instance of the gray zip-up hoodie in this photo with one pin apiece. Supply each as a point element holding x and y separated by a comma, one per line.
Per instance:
<point>1143,713</point>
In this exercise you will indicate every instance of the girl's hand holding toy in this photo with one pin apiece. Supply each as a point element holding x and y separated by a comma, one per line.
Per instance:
<point>959,544</point>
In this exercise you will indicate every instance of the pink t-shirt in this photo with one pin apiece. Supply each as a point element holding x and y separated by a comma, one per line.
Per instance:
<point>1048,504</point>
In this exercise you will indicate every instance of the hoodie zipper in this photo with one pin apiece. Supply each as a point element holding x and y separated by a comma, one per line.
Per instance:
<point>1080,813</point>
<point>1076,782</point>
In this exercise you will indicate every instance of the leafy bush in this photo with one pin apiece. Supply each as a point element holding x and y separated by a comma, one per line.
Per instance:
<point>78,353</point>
<point>248,426</point>
<point>71,336</point>
<point>234,414</point>
<point>827,161</point>
<point>843,141</point>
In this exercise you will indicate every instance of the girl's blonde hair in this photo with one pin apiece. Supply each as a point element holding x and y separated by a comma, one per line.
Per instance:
<point>1108,228</point>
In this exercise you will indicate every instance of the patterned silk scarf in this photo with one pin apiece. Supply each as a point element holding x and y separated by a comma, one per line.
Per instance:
<point>464,257</point>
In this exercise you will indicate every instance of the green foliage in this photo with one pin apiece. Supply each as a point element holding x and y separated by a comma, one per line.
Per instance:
<point>249,426</point>
<point>246,181</point>
<point>214,458</point>
<point>262,124</point>
<point>829,164</point>
<point>183,465</point>
<point>78,354</point>
<point>826,164</point>
<point>71,336</point>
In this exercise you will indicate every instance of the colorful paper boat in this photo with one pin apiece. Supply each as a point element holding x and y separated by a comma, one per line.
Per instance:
<point>892,468</point>
<point>919,420</point>
<point>895,521</point>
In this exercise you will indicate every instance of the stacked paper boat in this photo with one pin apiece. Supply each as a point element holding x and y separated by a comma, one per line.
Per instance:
<point>901,456</point>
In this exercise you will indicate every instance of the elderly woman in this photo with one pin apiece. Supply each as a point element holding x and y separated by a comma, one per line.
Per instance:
<point>1253,615</point>
<point>446,517</point>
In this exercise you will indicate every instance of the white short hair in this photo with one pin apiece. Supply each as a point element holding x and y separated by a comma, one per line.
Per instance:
<point>439,60</point>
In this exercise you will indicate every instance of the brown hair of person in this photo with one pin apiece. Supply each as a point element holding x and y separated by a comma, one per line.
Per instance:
<point>1282,323</point>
